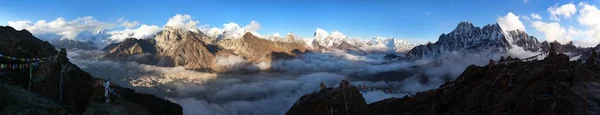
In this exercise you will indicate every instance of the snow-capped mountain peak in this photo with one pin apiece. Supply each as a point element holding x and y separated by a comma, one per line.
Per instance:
<point>337,35</point>
<point>392,44</point>
<point>320,34</point>
<point>468,37</point>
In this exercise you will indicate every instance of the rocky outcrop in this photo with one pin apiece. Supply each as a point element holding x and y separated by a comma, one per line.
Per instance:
<point>553,86</point>
<point>61,82</point>
<point>331,101</point>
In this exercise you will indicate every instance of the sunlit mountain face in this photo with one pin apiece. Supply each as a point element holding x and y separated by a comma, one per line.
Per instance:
<point>299,57</point>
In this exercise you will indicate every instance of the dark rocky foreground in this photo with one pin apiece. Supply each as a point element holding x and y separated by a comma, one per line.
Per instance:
<point>336,101</point>
<point>553,86</point>
<point>60,87</point>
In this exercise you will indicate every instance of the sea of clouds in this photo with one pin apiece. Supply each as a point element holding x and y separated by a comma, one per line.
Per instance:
<point>273,93</point>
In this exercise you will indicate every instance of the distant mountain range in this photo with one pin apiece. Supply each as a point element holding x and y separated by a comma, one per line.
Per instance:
<point>321,40</point>
<point>337,40</point>
<point>194,49</point>
<point>198,51</point>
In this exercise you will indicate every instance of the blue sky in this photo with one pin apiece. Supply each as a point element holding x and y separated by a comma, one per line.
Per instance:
<point>414,20</point>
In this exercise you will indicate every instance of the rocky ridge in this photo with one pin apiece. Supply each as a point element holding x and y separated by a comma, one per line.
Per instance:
<point>60,87</point>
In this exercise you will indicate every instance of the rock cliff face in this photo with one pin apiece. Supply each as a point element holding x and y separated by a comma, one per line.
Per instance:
<point>60,87</point>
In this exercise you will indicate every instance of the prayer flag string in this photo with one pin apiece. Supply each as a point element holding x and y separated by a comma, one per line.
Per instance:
<point>22,59</point>
<point>20,66</point>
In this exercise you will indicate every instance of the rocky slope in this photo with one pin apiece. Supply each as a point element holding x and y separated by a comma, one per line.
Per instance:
<point>60,87</point>
<point>466,37</point>
<point>179,47</point>
<point>553,86</point>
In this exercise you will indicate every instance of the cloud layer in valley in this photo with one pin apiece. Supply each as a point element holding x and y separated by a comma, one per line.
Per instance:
<point>275,92</point>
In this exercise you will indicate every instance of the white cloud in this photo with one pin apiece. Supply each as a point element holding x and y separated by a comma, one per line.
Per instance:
<point>510,22</point>
<point>183,21</point>
<point>590,18</point>
<point>526,18</point>
<point>566,11</point>
<point>143,32</point>
<point>276,34</point>
<point>233,30</point>
<point>555,32</point>
<point>536,16</point>
<point>129,24</point>
<point>252,27</point>
<point>60,26</point>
